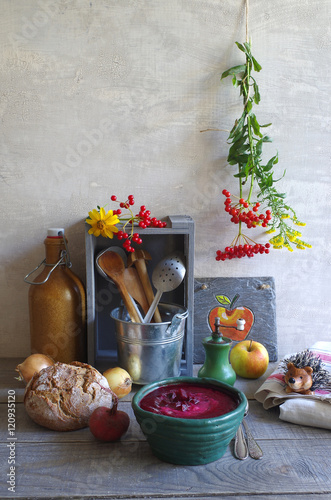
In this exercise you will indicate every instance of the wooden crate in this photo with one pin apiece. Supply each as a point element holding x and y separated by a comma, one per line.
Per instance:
<point>103,297</point>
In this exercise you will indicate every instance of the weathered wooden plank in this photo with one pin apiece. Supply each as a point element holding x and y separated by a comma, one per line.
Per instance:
<point>95,469</point>
<point>161,496</point>
<point>264,424</point>
<point>28,431</point>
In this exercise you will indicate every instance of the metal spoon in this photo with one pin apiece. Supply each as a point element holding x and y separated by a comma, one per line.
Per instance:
<point>167,275</point>
<point>254,449</point>
<point>240,444</point>
<point>243,448</point>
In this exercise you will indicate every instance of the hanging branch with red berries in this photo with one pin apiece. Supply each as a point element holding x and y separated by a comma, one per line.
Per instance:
<point>106,223</point>
<point>246,141</point>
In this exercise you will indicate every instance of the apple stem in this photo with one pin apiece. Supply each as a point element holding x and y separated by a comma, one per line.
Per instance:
<point>234,300</point>
<point>250,346</point>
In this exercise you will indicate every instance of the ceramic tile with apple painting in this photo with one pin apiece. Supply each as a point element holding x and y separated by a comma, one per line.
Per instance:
<point>229,316</point>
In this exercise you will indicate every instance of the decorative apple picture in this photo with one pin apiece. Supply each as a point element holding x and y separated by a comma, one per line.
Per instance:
<point>249,359</point>
<point>229,316</point>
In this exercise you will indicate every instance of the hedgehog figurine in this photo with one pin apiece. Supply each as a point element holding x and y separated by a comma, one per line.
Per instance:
<point>304,373</point>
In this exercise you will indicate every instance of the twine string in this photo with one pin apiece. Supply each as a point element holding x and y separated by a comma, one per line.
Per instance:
<point>247,12</point>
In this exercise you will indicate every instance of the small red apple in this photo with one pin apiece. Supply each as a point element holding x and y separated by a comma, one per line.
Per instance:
<point>229,317</point>
<point>108,424</point>
<point>249,359</point>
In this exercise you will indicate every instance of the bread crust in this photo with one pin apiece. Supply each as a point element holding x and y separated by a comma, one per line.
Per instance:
<point>63,396</point>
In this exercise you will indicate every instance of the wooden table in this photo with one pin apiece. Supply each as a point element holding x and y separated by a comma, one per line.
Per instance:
<point>296,462</point>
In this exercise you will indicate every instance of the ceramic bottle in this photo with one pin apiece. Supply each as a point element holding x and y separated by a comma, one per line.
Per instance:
<point>57,304</point>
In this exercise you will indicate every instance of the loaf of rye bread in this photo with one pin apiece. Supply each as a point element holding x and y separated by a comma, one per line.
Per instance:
<point>63,396</point>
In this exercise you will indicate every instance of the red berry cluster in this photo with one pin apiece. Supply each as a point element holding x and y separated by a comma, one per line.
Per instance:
<point>250,217</point>
<point>239,251</point>
<point>142,218</point>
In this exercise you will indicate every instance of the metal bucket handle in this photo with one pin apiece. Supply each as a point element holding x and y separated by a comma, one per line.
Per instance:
<point>175,322</point>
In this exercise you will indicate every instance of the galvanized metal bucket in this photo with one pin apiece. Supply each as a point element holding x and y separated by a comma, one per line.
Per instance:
<point>151,352</point>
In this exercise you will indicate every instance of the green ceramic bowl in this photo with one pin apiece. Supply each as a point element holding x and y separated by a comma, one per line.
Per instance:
<point>189,441</point>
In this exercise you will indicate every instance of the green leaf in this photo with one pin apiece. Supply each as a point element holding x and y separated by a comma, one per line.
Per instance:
<point>241,47</point>
<point>240,159</point>
<point>266,125</point>
<point>249,106</point>
<point>255,125</point>
<point>256,65</point>
<point>269,181</point>
<point>280,178</point>
<point>223,299</point>
<point>240,175</point>
<point>271,163</point>
<point>258,147</point>
<point>236,145</point>
<point>257,96</point>
<point>248,48</point>
<point>248,167</point>
<point>234,71</point>
<point>266,138</point>
<point>238,125</point>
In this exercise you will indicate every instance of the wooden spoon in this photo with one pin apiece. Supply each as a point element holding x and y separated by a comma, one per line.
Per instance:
<point>135,288</point>
<point>112,264</point>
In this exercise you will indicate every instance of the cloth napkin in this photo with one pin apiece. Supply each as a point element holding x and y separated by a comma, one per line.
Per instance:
<point>312,410</point>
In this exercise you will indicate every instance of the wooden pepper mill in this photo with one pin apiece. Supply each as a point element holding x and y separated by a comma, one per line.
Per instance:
<point>57,304</point>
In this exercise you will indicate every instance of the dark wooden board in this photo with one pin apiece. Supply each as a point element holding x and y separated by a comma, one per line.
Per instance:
<point>113,470</point>
<point>257,294</point>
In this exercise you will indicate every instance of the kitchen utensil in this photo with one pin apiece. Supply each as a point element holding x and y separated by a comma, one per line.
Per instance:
<point>134,293</point>
<point>240,444</point>
<point>254,449</point>
<point>135,287</point>
<point>167,276</point>
<point>138,259</point>
<point>113,266</point>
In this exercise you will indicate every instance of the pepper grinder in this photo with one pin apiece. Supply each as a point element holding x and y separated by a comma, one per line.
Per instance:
<point>217,363</point>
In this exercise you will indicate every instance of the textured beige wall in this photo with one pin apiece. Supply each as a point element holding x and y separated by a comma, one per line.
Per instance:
<point>109,96</point>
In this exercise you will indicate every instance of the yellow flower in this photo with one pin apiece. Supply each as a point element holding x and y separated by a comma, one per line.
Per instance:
<point>102,223</point>
<point>298,223</point>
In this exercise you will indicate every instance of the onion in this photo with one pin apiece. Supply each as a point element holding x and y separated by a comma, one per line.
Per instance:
<point>31,365</point>
<point>119,381</point>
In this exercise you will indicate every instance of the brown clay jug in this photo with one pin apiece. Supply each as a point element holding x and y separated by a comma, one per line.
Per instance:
<point>57,304</point>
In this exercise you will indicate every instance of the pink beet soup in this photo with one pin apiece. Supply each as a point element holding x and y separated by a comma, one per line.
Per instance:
<point>188,401</point>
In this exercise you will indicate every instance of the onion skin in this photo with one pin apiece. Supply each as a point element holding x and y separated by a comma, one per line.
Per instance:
<point>119,381</point>
<point>31,365</point>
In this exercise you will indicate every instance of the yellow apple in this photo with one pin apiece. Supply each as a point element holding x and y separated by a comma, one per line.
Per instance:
<point>249,359</point>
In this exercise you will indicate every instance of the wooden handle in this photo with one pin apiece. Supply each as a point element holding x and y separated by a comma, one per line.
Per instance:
<point>135,288</point>
<point>128,301</point>
<point>144,278</point>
